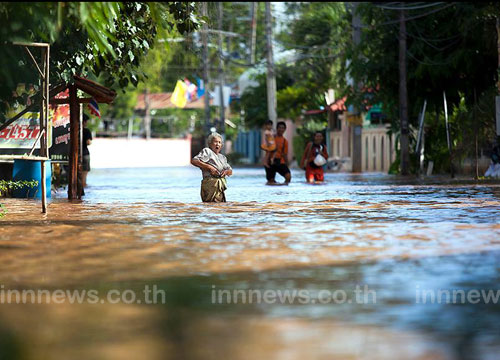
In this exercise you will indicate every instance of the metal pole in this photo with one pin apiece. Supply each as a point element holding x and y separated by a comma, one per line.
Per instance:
<point>448,133</point>
<point>422,154</point>
<point>421,126</point>
<point>420,138</point>
<point>42,127</point>
<point>271,76</point>
<point>130,126</point>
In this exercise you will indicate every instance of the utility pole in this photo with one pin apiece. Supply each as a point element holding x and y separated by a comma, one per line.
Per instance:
<point>206,99</point>
<point>221,74</point>
<point>474,119</point>
<point>253,33</point>
<point>271,77</point>
<point>357,128</point>
<point>403,97</point>
<point>497,99</point>
<point>498,51</point>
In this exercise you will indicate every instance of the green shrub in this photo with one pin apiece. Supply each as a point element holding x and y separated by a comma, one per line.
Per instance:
<point>7,186</point>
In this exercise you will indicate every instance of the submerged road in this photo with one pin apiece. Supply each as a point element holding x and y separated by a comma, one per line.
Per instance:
<point>364,267</point>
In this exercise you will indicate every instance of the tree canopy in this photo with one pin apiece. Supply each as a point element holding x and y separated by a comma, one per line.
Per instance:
<point>106,39</point>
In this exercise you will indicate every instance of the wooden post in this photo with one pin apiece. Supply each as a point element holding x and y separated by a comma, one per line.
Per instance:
<point>43,127</point>
<point>44,119</point>
<point>73,152</point>
<point>79,184</point>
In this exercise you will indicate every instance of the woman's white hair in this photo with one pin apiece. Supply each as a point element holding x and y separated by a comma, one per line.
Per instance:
<point>212,136</point>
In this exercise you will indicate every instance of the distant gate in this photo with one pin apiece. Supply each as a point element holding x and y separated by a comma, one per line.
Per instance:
<point>248,144</point>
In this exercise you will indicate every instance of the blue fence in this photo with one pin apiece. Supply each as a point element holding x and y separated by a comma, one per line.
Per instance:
<point>248,144</point>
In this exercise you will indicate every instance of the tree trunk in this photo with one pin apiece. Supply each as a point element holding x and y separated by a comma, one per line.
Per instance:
<point>357,127</point>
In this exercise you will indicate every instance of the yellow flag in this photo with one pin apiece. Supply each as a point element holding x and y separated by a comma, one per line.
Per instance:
<point>179,95</point>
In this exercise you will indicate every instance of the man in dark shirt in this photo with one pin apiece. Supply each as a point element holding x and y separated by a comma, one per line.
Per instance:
<point>86,141</point>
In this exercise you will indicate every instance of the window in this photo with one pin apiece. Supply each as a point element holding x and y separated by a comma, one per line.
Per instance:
<point>334,121</point>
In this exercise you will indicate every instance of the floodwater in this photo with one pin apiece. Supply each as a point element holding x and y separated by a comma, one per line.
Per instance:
<point>362,267</point>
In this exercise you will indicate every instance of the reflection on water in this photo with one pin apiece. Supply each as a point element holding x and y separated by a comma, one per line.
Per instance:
<point>148,226</point>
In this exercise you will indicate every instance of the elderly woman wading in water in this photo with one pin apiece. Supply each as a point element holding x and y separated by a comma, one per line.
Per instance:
<point>214,168</point>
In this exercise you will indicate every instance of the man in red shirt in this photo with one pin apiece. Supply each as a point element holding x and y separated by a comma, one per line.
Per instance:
<point>279,161</point>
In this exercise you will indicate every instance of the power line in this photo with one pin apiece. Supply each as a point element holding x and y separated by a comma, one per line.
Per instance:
<point>414,7</point>
<point>407,19</point>
<point>427,63</point>
<point>455,38</point>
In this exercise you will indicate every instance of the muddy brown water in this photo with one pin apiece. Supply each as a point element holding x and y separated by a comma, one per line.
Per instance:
<point>395,242</point>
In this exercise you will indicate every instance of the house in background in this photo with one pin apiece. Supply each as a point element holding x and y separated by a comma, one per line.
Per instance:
<point>248,143</point>
<point>377,151</point>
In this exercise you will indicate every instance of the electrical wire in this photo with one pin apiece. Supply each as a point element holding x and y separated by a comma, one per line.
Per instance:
<point>406,19</point>
<point>415,7</point>
<point>456,40</point>
<point>427,63</point>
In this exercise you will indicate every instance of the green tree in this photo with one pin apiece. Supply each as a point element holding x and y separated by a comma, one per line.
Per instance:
<point>318,34</point>
<point>254,99</point>
<point>450,48</point>
<point>90,39</point>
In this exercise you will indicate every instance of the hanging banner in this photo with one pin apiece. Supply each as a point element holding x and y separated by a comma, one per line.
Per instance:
<point>60,130</point>
<point>19,137</point>
<point>21,134</point>
<point>179,97</point>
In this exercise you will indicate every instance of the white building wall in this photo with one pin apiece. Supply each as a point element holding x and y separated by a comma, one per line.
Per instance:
<point>377,150</point>
<point>124,153</point>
